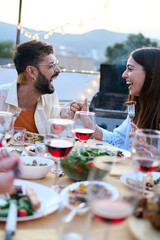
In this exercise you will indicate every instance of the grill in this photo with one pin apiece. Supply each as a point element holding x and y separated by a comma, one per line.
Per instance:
<point>113,92</point>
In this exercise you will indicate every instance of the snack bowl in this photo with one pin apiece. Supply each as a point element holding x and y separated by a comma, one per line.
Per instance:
<point>38,170</point>
<point>31,150</point>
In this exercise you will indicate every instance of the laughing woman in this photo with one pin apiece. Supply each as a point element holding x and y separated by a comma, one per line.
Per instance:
<point>143,76</point>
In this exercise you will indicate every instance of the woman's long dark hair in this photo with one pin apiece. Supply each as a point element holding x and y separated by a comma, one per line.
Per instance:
<point>148,102</point>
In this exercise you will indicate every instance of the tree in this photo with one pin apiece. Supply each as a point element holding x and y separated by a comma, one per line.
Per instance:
<point>6,48</point>
<point>119,52</point>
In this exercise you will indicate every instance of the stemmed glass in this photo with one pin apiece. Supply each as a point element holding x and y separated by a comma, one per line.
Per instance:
<point>59,140</point>
<point>146,152</point>
<point>106,205</point>
<point>6,128</point>
<point>85,125</point>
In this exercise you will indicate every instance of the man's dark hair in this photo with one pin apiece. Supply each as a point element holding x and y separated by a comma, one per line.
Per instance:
<point>30,53</point>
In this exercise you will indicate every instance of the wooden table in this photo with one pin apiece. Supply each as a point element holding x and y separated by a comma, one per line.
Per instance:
<point>98,230</point>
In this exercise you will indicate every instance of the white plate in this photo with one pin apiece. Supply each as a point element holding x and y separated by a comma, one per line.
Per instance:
<point>113,149</point>
<point>65,196</point>
<point>49,199</point>
<point>143,230</point>
<point>137,176</point>
<point>9,149</point>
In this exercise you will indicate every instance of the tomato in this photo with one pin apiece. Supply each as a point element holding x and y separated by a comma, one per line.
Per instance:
<point>22,212</point>
<point>91,163</point>
<point>79,169</point>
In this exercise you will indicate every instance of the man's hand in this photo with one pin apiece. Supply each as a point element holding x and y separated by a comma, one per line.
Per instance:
<point>77,106</point>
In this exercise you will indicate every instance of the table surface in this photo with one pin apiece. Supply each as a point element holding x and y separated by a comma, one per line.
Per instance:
<point>97,230</point>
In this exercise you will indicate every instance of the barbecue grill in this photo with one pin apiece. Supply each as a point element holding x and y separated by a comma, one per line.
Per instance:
<point>113,92</point>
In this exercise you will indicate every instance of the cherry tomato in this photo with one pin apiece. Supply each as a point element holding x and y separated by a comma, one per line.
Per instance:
<point>79,169</point>
<point>91,163</point>
<point>22,212</point>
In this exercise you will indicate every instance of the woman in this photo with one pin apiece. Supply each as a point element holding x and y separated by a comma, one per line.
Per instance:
<point>142,74</point>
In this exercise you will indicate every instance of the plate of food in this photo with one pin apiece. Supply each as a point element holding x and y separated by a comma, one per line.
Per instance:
<point>145,224</point>
<point>134,180</point>
<point>17,150</point>
<point>31,138</point>
<point>76,193</point>
<point>118,151</point>
<point>33,200</point>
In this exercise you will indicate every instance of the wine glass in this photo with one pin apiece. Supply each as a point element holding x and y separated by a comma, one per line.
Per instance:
<point>85,125</point>
<point>145,152</point>
<point>6,128</point>
<point>104,200</point>
<point>59,140</point>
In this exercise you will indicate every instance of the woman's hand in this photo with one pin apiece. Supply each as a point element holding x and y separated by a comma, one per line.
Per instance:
<point>134,128</point>
<point>77,106</point>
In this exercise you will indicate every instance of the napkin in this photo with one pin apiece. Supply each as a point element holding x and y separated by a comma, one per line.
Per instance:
<point>32,234</point>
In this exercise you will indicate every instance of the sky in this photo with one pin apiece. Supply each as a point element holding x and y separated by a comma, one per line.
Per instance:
<point>79,16</point>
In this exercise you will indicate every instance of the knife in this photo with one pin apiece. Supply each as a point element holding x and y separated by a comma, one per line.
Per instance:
<point>11,220</point>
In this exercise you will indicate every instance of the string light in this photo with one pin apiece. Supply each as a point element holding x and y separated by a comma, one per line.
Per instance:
<point>47,34</point>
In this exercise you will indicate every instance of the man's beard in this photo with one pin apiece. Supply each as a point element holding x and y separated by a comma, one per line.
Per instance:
<point>42,84</point>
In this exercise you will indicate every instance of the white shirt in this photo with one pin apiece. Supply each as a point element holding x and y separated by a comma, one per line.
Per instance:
<point>9,103</point>
<point>119,136</point>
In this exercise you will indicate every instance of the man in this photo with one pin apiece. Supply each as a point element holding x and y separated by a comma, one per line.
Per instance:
<point>32,96</point>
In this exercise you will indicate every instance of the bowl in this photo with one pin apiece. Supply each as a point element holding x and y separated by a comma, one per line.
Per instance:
<point>77,164</point>
<point>36,171</point>
<point>31,150</point>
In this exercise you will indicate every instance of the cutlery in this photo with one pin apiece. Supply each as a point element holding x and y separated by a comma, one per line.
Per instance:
<point>74,211</point>
<point>11,221</point>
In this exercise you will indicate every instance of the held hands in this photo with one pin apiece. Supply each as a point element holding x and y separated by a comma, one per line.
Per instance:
<point>77,106</point>
<point>8,164</point>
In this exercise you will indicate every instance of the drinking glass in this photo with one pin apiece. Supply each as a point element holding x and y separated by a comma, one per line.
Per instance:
<point>61,111</point>
<point>107,206</point>
<point>145,152</point>
<point>59,139</point>
<point>6,128</point>
<point>19,137</point>
<point>85,125</point>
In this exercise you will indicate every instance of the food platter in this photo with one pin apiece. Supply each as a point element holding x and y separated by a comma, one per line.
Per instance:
<point>143,230</point>
<point>109,148</point>
<point>64,195</point>
<point>137,176</point>
<point>49,199</point>
<point>31,138</point>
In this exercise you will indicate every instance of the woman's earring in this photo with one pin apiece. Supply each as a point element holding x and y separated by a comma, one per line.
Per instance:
<point>33,79</point>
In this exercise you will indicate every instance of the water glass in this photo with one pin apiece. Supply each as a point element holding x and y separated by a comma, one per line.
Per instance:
<point>19,136</point>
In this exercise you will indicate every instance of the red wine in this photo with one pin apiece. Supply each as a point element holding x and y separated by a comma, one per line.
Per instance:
<point>83,134</point>
<point>147,165</point>
<point>111,211</point>
<point>58,147</point>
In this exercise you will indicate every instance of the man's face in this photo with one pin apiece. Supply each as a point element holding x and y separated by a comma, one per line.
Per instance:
<point>47,72</point>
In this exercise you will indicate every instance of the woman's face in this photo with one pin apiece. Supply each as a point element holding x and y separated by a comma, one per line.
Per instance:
<point>135,76</point>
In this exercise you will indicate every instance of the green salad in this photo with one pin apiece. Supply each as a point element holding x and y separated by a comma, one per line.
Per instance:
<point>79,162</point>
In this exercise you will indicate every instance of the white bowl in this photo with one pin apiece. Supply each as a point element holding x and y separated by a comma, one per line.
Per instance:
<point>29,150</point>
<point>36,172</point>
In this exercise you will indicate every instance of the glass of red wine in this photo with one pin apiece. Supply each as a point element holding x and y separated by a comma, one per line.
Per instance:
<point>85,125</point>
<point>107,206</point>
<point>146,152</point>
<point>6,128</point>
<point>59,140</point>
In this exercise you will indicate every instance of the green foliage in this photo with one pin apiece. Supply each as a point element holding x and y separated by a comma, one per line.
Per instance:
<point>120,51</point>
<point>6,48</point>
